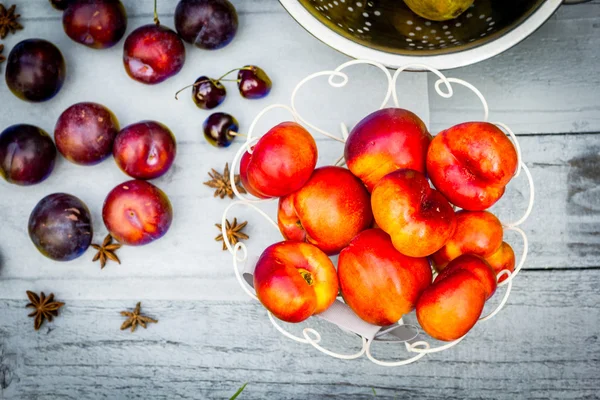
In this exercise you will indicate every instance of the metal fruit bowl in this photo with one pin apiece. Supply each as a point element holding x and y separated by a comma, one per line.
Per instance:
<point>387,31</point>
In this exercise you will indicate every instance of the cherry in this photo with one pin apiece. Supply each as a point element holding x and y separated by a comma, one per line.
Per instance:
<point>35,70</point>
<point>208,24</point>
<point>153,53</point>
<point>60,5</point>
<point>220,129</point>
<point>253,82</point>
<point>98,24</point>
<point>207,93</point>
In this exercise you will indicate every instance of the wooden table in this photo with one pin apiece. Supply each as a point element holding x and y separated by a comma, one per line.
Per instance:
<point>211,338</point>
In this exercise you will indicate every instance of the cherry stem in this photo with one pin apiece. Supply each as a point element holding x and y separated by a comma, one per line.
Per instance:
<point>193,85</point>
<point>156,20</point>
<point>221,79</point>
<point>234,133</point>
<point>234,70</point>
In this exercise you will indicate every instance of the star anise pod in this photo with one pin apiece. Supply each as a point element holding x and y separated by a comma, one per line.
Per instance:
<point>106,251</point>
<point>222,183</point>
<point>134,318</point>
<point>45,308</point>
<point>234,232</point>
<point>2,58</point>
<point>8,21</point>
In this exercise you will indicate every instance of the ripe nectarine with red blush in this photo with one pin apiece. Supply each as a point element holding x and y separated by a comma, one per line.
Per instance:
<point>385,141</point>
<point>295,280</point>
<point>471,163</point>
<point>451,306</point>
<point>281,161</point>
<point>379,283</point>
<point>328,211</point>
<point>503,258</point>
<point>418,218</point>
<point>477,266</point>
<point>477,232</point>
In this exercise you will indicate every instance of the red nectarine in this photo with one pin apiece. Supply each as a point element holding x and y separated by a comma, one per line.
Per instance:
<point>385,141</point>
<point>281,161</point>
<point>477,232</point>
<point>295,280</point>
<point>418,218</point>
<point>379,283</point>
<point>329,210</point>
<point>471,163</point>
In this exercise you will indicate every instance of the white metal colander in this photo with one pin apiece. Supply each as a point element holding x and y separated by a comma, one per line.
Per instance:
<point>387,31</point>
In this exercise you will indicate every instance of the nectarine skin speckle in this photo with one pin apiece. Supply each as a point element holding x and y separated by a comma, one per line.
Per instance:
<point>281,161</point>
<point>471,163</point>
<point>137,213</point>
<point>477,232</point>
<point>379,283</point>
<point>418,218</point>
<point>328,211</point>
<point>283,289</point>
<point>385,141</point>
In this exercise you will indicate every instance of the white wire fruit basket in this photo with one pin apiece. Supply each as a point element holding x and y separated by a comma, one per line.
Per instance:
<point>339,313</point>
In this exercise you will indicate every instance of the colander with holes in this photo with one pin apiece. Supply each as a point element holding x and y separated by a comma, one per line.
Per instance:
<point>387,31</point>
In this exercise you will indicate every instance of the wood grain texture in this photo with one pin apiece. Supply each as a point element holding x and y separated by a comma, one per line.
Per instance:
<point>546,84</point>
<point>210,338</point>
<point>543,345</point>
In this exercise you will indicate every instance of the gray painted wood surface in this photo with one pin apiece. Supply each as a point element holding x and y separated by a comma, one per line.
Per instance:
<point>210,338</point>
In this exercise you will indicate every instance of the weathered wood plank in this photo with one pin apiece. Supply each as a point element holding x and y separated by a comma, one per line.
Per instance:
<point>546,84</point>
<point>543,345</point>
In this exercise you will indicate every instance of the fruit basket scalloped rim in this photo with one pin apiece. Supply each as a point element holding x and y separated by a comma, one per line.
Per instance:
<point>239,252</point>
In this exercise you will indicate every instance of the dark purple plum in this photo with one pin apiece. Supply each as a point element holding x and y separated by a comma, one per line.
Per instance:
<point>27,154</point>
<point>60,5</point>
<point>207,24</point>
<point>60,227</point>
<point>35,70</point>
<point>253,82</point>
<point>220,129</point>
<point>85,132</point>
<point>98,24</point>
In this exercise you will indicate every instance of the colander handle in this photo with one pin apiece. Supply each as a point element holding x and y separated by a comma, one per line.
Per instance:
<point>571,2</point>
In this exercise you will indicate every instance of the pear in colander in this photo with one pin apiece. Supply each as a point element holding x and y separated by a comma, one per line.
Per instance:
<point>438,10</point>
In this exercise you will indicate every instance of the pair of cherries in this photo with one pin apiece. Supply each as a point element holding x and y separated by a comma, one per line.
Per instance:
<point>208,93</point>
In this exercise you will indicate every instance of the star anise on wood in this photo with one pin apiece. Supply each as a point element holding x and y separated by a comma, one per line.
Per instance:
<point>134,319</point>
<point>222,184</point>
<point>234,232</point>
<point>106,251</point>
<point>45,308</point>
<point>8,21</point>
<point>2,58</point>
